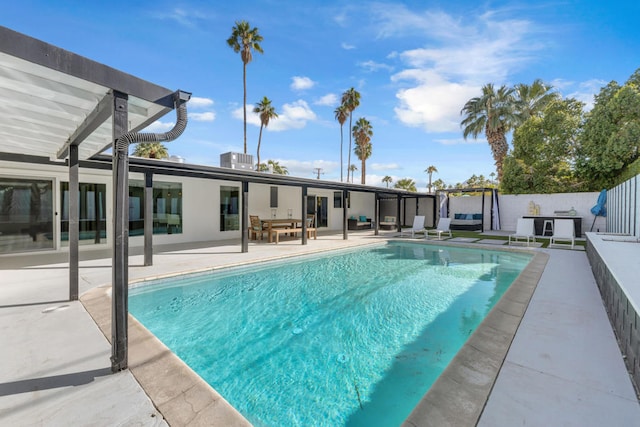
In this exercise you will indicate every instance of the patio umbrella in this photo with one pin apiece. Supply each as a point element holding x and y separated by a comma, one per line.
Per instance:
<point>600,209</point>
<point>443,205</point>
<point>496,211</point>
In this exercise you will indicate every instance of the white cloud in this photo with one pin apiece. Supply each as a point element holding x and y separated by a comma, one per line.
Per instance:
<point>186,18</point>
<point>208,116</point>
<point>301,83</point>
<point>347,46</point>
<point>372,66</point>
<point>291,116</point>
<point>328,100</point>
<point>461,57</point>
<point>586,92</point>
<point>307,168</point>
<point>383,167</point>
<point>433,103</point>
<point>159,127</point>
<point>196,102</point>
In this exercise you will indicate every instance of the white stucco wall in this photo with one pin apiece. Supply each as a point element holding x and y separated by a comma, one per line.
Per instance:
<point>514,206</point>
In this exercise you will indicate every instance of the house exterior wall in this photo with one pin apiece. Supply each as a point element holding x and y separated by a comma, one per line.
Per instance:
<point>201,204</point>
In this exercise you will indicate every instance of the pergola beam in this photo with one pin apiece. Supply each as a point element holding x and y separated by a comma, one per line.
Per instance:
<point>100,114</point>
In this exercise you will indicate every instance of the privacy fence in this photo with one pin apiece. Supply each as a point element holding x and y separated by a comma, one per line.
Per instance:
<point>623,214</point>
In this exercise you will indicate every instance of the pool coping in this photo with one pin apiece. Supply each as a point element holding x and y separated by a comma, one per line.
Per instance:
<point>456,398</point>
<point>460,393</point>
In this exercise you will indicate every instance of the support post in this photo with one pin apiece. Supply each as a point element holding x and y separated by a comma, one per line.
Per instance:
<point>148,218</point>
<point>398,223</point>
<point>376,216</point>
<point>345,215</point>
<point>244,222</point>
<point>120,263</point>
<point>74,223</point>
<point>304,215</point>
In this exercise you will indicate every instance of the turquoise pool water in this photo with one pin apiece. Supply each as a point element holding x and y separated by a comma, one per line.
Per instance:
<point>354,338</point>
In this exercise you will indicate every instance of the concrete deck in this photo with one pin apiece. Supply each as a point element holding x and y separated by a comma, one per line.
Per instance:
<point>563,368</point>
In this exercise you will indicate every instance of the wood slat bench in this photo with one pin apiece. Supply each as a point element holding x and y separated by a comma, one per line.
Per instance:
<point>277,231</point>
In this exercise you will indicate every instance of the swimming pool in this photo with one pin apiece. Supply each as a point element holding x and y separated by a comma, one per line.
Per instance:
<point>353,338</point>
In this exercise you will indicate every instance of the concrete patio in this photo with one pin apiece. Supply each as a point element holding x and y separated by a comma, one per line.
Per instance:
<point>563,368</point>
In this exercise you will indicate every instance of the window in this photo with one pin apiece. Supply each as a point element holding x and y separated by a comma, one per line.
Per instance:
<point>91,215</point>
<point>26,215</point>
<point>229,208</point>
<point>167,208</point>
<point>274,197</point>
<point>337,199</point>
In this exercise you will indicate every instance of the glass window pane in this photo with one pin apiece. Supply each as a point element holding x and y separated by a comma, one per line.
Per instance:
<point>26,215</point>
<point>167,208</point>
<point>229,208</point>
<point>92,214</point>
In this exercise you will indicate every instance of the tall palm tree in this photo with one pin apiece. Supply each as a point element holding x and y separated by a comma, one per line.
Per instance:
<point>151,150</point>
<point>266,112</point>
<point>341,116</point>
<point>532,99</point>
<point>244,39</point>
<point>387,180</point>
<point>352,169</point>
<point>494,114</point>
<point>362,133</point>
<point>430,170</point>
<point>351,101</point>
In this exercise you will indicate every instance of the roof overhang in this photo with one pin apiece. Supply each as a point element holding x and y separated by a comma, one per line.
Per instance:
<point>52,99</point>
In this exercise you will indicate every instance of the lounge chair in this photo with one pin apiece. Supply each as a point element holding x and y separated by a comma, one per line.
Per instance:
<point>417,227</point>
<point>255,227</point>
<point>444,226</point>
<point>563,229</point>
<point>524,230</point>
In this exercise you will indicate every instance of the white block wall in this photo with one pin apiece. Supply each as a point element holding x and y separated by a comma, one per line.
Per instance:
<point>514,206</point>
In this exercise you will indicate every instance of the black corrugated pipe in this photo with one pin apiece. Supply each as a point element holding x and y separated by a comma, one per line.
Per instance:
<point>180,102</point>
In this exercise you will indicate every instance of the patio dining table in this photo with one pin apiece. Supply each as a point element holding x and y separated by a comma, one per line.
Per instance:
<point>280,223</point>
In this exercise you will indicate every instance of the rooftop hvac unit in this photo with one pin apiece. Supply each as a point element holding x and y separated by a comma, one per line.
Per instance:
<point>236,161</point>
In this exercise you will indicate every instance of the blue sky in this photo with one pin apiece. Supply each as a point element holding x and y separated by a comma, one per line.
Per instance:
<point>415,64</point>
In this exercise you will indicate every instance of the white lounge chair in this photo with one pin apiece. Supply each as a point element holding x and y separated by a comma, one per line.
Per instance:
<point>524,230</point>
<point>417,227</point>
<point>563,229</point>
<point>444,226</point>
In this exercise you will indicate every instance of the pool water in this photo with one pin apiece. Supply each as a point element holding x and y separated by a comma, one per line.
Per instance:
<point>354,338</point>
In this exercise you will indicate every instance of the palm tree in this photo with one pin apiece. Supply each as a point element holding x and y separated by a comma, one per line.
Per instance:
<point>439,184</point>
<point>341,116</point>
<point>362,133</point>
<point>352,169</point>
<point>406,184</point>
<point>494,114</point>
<point>244,39</point>
<point>387,180</point>
<point>266,112</point>
<point>351,101</point>
<point>273,167</point>
<point>277,168</point>
<point>151,150</point>
<point>532,99</point>
<point>430,170</point>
